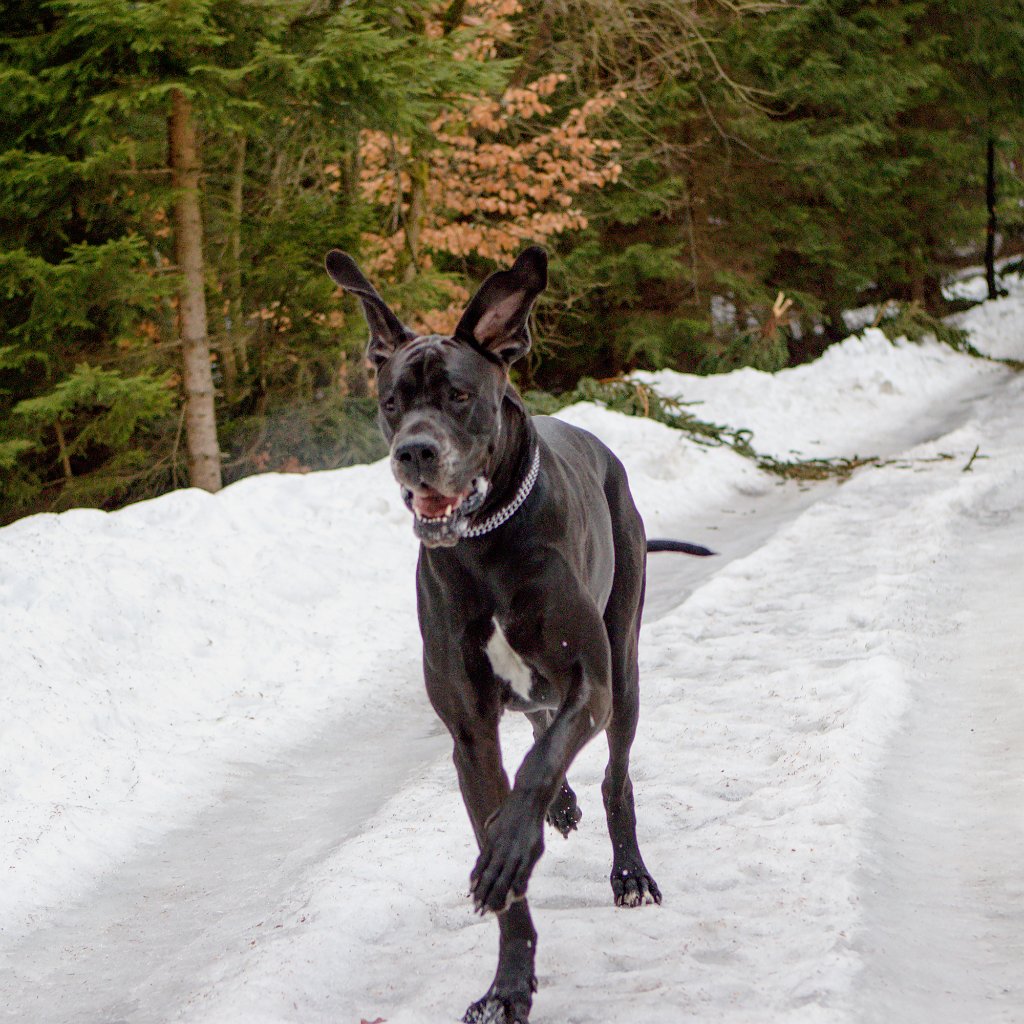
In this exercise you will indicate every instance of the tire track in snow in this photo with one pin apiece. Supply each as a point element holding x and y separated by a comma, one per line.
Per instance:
<point>133,949</point>
<point>943,933</point>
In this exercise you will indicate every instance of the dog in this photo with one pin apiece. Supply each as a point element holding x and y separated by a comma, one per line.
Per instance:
<point>530,587</point>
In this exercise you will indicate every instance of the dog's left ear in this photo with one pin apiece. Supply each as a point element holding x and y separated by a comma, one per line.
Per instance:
<point>496,318</point>
<point>387,332</point>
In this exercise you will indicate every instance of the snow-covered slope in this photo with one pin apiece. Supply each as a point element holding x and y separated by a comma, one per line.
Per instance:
<point>224,798</point>
<point>847,402</point>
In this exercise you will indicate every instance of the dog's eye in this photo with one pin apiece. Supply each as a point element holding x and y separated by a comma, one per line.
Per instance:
<point>389,405</point>
<point>458,396</point>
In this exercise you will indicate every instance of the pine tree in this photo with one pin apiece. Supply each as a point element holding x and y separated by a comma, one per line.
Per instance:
<point>102,265</point>
<point>75,281</point>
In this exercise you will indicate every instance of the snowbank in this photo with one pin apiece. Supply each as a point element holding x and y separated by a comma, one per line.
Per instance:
<point>852,401</point>
<point>997,328</point>
<point>146,649</point>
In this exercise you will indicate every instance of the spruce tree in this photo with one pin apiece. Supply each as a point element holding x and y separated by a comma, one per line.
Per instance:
<point>93,270</point>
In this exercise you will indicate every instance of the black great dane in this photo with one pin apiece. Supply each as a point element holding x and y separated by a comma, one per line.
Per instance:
<point>530,585</point>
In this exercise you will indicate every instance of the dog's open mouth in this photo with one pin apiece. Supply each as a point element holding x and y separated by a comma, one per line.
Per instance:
<point>441,520</point>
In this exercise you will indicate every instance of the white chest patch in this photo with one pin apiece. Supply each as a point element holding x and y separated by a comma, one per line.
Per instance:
<point>507,664</point>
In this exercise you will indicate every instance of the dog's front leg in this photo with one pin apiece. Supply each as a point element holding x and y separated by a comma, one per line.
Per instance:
<point>514,835</point>
<point>484,786</point>
<point>482,777</point>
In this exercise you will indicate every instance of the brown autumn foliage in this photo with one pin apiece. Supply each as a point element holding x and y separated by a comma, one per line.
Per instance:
<point>499,176</point>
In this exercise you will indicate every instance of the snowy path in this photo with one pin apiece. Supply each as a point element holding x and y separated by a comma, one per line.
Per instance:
<point>834,842</point>
<point>944,888</point>
<point>130,953</point>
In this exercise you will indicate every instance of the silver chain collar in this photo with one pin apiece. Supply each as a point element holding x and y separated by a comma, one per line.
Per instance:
<point>503,515</point>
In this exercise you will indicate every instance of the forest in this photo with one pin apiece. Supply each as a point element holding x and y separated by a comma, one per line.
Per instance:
<point>717,182</point>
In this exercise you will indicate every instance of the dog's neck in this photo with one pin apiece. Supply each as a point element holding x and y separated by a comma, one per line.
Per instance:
<point>514,446</point>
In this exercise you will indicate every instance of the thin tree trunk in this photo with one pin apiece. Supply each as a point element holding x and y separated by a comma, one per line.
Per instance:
<point>62,447</point>
<point>200,414</point>
<point>993,224</point>
<point>235,347</point>
<point>926,290</point>
<point>226,348</point>
<point>419,173</point>
<point>453,16</point>
<point>540,42</point>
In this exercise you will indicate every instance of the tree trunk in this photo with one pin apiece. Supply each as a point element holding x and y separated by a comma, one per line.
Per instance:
<point>236,349</point>
<point>990,234</point>
<point>453,16</point>
<point>926,291</point>
<point>200,415</point>
<point>62,447</point>
<point>540,42</point>
<point>419,174</point>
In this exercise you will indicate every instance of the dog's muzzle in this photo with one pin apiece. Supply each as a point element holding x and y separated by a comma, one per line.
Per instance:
<point>441,520</point>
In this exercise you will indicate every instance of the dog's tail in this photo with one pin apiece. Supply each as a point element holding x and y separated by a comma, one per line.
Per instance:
<point>681,546</point>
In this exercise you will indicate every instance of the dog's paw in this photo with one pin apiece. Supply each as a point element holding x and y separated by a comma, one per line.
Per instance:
<point>513,843</point>
<point>494,1008</point>
<point>564,813</point>
<point>633,886</point>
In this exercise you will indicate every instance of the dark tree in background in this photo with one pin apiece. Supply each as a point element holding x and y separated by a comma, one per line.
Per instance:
<point>989,74</point>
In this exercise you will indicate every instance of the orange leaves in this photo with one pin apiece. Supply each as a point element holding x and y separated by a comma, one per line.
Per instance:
<point>276,316</point>
<point>333,171</point>
<point>524,103</point>
<point>546,85</point>
<point>485,114</point>
<point>440,321</point>
<point>293,464</point>
<point>149,330</point>
<point>496,176</point>
<point>290,464</point>
<point>490,19</point>
<point>163,227</point>
<point>486,196</point>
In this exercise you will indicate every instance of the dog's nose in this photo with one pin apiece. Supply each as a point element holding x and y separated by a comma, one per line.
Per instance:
<point>417,455</point>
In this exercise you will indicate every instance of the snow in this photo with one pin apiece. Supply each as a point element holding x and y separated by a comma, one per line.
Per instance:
<point>844,404</point>
<point>953,773</point>
<point>224,797</point>
<point>995,327</point>
<point>970,283</point>
<point>146,649</point>
<point>847,402</point>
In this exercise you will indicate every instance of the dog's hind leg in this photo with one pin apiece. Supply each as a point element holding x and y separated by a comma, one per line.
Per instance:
<point>564,812</point>
<point>632,884</point>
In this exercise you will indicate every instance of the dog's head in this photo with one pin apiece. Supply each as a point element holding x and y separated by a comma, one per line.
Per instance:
<point>440,396</point>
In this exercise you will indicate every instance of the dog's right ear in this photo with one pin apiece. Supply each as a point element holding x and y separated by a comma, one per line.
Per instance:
<point>497,317</point>
<point>387,332</point>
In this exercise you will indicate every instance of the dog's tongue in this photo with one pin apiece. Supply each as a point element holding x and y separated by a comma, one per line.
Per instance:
<point>434,504</point>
